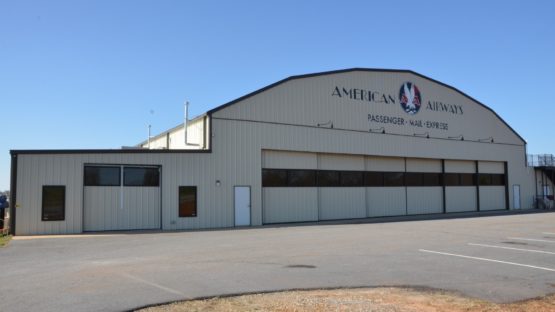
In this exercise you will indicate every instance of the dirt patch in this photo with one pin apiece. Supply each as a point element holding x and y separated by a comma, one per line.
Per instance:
<point>385,299</point>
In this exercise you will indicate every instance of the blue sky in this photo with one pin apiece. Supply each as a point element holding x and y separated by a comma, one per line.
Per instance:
<point>94,74</point>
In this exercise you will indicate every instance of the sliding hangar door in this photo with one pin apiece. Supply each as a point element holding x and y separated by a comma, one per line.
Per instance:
<point>298,186</point>
<point>121,198</point>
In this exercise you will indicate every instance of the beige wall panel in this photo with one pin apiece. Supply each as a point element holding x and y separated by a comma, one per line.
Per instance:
<point>460,166</point>
<point>288,160</point>
<point>492,198</point>
<point>460,198</point>
<point>290,204</point>
<point>310,101</point>
<point>374,163</point>
<point>342,203</point>
<point>386,201</point>
<point>491,167</point>
<point>422,200</point>
<point>340,162</point>
<point>423,165</point>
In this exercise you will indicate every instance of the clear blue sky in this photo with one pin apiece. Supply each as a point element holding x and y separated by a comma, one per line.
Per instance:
<point>93,74</point>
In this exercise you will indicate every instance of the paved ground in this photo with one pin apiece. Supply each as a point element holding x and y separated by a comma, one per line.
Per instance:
<point>501,258</point>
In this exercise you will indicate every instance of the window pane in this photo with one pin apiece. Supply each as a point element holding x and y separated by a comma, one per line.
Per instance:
<point>414,179</point>
<point>373,178</point>
<point>53,203</point>
<point>497,179</point>
<point>274,177</point>
<point>102,176</point>
<point>431,179</point>
<point>351,178</point>
<point>467,179</point>
<point>136,176</point>
<point>451,179</point>
<point>393,179</point>
<point>328,178</point>
<point>187,201</point>
<point>485,179</point>
<point>301,178</point>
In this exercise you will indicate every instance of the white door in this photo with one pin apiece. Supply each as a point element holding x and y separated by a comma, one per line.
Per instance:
<point>242,205</point>
<point>516,196</point>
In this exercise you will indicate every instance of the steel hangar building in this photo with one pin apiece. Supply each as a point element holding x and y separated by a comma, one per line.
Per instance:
<point>354,143</point>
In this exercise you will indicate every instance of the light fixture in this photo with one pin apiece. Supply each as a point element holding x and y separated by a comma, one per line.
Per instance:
<point>381,130</point>
<point>330,123</point>
<point>459,137</point>
<point>218,183</point>
<point>425,134</point>
<point>490,139</point>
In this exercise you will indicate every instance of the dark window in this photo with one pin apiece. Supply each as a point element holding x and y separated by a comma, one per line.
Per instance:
<point>102,176</point>
<point>414,179</point>
<point>301,178</point>
<point>187,201</point>
<point>328,178</point>
<point>467,179</point>
<point>497,179</point>
<point>431,179</point>
<point>53,202</point>
<point>452,179</point>
<point>274,177</point>
<point>137,176</point>
<point>393,179</point>
<point>373,178</point>
<point>351,178</point>
<point>485,179</point>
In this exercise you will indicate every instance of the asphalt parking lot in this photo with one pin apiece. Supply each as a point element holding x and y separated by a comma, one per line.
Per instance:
<point>499,258</point>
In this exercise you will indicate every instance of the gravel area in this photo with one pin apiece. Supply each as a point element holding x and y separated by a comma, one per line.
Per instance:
<point>385,299</point>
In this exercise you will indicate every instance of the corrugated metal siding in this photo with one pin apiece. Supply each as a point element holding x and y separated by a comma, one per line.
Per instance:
<point>342,203</point>
<point>386,201</point>
<point>460,198</point>
<point>422,200</point>
<point>492,198</point>
<point>309,101</point>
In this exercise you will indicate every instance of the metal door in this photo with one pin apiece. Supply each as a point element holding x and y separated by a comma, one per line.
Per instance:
<point>516,196</point>
<point>242,205</point>
<point>121,205</point>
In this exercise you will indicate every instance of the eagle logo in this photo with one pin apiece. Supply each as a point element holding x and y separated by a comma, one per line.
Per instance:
<point>410,98</point>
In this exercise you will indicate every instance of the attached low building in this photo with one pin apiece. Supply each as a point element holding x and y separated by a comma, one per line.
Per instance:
<point>355,143</point>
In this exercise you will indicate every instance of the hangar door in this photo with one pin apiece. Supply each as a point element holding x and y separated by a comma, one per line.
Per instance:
<point>121,198</point>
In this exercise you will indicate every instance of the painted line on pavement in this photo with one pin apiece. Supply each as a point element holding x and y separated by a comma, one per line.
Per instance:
<point>532,239</point>
<point>486,259</point>
<point>512,248</point>
<point>548,233</point>
<point>164,288</point>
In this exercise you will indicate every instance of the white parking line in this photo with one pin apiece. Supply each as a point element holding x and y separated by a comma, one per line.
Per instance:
<point>533,239</point>
<point>548,233</point>
<point>512,248</point>
<point>486,259</point>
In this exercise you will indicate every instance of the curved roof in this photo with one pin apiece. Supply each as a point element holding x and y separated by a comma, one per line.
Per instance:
<point>210,112</point>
